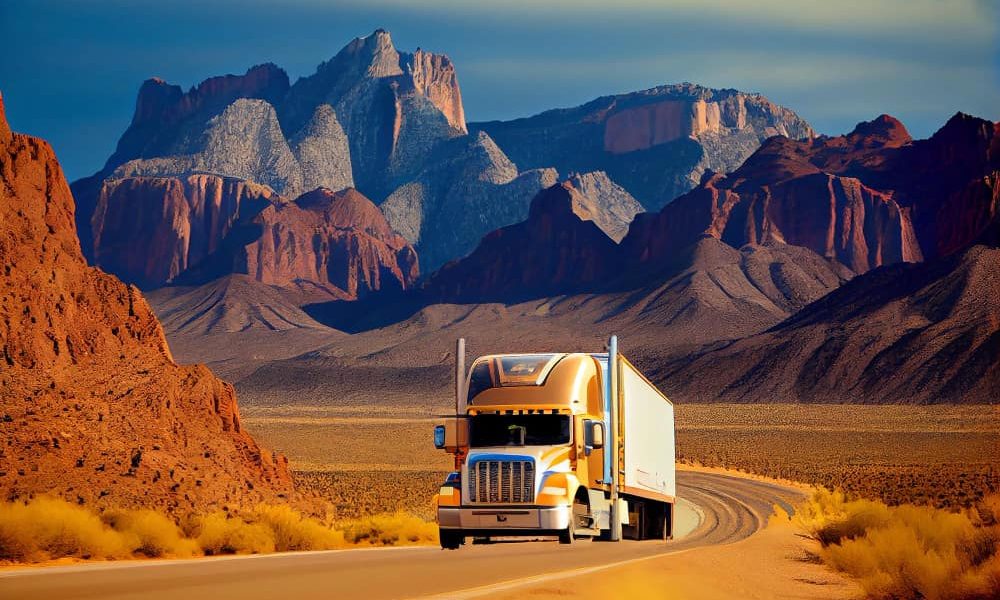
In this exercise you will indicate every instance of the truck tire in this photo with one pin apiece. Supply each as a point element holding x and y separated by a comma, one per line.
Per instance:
<point>450,539</point>
<point>566,536</point>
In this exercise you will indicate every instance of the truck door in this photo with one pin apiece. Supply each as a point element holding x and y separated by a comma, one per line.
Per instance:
<point>593,449</point>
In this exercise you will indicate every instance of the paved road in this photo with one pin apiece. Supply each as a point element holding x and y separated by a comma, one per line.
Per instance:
<point>731,508</point>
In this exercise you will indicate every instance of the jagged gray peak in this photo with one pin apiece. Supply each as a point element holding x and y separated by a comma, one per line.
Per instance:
<point>604,202</point>
<point>394,107</point>
<point>469,189</point>
<point>322,151</point>
<point>244,141</point>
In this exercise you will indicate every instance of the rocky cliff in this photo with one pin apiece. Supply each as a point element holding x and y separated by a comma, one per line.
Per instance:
<point>869,198</point>
<point>336,240</point>
<point>655,143</point>
<point>94,408</point>
<point>149,230</point>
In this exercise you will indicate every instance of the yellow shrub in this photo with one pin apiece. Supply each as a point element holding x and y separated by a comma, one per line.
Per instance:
<point>51,528</point>
<point>218,533</point>
<point>906,551</point>
<point>390,530</point>
<point>150,533</point>
<point>291,531</point>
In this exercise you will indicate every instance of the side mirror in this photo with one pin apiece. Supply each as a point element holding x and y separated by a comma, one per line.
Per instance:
<point>595,434</point>
<point>452,436</point>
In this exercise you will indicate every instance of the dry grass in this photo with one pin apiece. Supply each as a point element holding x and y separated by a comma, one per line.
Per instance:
<point>48,528</point>
<point>908,551</point>
<point>355,494</point>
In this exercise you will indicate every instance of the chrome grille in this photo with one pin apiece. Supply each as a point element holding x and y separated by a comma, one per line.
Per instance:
<point>502,481</point>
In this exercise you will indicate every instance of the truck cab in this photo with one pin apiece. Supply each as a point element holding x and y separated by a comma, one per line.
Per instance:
<point>532,455</point>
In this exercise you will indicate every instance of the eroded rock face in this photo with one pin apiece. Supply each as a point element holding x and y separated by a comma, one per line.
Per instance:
<point>553,252</point>
<point>166,116</point>
<point>604,202</point>
<point>655,143</point>
<point>339,240</point>
<point>468,189</point>
<point>394,107</point>
<point>149,230</point>
<point>788,192</point>
<point>98,411</point>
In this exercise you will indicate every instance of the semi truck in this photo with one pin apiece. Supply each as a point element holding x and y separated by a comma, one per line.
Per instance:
<point>574,445</point>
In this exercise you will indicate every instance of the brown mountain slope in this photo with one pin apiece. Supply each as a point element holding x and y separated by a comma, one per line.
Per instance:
<point>94,408</point>
<point>922,334</point>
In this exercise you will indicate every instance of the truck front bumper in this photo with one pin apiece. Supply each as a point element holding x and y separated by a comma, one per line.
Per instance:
<point>533,519</point>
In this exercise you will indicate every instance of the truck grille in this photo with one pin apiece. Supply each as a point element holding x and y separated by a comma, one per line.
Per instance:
<point>502,481</point>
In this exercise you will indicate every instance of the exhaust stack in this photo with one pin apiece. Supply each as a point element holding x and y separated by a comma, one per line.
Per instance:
<point>460,377</point>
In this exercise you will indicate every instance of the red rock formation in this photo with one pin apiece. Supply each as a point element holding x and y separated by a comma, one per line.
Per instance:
<point>339,240</point>
<point>93,407</point>
<point>553,252</point>
<point>149,230</point>
<point>789,192</point>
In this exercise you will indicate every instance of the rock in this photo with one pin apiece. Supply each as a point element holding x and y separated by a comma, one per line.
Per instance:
<point>604,202</point>
<point>322,150</point>
<point>395,107</point>
<point>166,117</point>
<point>468,189</point>
<point>553,252</point>
<point>788,192</point>
<point>336,240</point>
<point>150,230</point>
<point>244,141</point>
<point>5,133</point>
<point>73,336</point>
<point>655,143</point>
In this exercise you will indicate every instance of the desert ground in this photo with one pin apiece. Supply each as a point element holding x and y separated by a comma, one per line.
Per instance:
<point>946,456</point>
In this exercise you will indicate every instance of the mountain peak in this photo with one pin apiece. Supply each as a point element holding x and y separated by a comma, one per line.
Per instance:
<point>883,131</point>
<point>5,133</point>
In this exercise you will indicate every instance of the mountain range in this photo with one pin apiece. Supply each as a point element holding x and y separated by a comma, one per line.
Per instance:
<point>328,238</point>
<point>392,125</point>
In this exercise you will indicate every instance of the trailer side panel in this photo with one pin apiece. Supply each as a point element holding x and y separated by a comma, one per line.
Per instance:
<point>648,417</point>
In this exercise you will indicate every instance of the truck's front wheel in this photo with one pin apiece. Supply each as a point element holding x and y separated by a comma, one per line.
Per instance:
<point>450,539</point>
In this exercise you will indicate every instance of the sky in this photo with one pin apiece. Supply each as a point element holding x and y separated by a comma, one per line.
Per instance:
<point>71,68</point>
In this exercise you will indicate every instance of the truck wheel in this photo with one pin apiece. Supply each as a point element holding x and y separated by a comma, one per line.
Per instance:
<point>566,536</point>
<point>450,540</point>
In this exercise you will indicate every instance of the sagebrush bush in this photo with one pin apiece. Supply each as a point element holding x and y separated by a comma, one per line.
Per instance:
<point>291,531</point>
<point>46,528</point>
<point>907,551</point>
<point>390,530</point>
<point>149,533</point>
<point>220,533</point>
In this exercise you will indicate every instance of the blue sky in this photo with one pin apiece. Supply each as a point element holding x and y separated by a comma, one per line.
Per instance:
<point>71,68</point>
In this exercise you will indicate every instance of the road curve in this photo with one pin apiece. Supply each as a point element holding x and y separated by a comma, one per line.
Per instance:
<point>732,508</point>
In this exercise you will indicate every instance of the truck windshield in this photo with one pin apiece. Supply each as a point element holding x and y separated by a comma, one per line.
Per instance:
<point>518,430</point>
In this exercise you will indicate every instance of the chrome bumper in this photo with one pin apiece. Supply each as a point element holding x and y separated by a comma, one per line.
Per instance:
<point>513,518</point>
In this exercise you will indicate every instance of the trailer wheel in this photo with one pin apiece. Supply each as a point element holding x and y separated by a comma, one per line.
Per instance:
<point>450,540</point>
